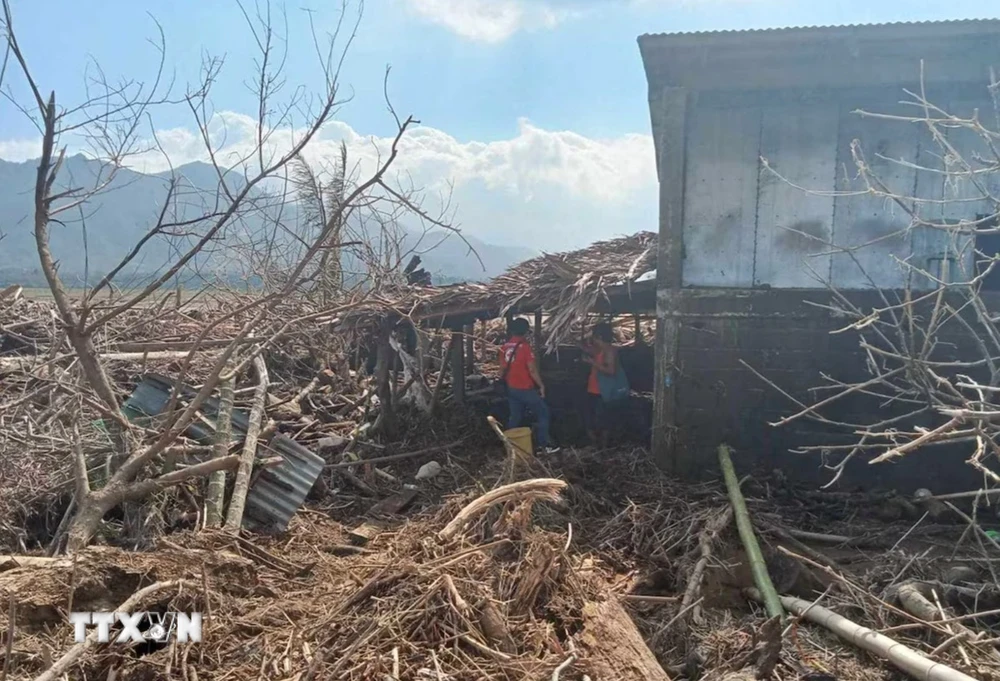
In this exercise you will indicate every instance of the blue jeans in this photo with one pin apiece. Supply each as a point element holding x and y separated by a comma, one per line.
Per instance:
<point>518,401</point>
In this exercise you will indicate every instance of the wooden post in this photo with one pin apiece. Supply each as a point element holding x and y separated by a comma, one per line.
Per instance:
<point>470,349</point>
<point>383,366</point>
<point>458,367</point>
<point>423,349</point>
<point>538,330</point>
<point>668,113</point>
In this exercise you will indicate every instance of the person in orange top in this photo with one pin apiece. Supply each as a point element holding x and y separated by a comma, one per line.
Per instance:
<point>525,388</point>
<point>602,356</point>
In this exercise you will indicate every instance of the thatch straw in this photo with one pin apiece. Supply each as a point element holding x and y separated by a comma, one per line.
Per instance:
<point>567,286</point>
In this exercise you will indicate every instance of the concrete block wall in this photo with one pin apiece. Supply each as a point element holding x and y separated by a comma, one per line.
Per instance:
<point>790,343</point>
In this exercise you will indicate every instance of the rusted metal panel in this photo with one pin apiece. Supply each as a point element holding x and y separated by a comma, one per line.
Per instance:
<point>877,228</point>
<point>279,492</point>
<point>794,221</point>
<point>721,196</point>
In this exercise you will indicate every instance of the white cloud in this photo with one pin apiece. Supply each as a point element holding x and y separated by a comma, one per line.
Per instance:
<point>541,188</point>
<point>20,149</point>
<point>494,21</point>
<point>490,21</point>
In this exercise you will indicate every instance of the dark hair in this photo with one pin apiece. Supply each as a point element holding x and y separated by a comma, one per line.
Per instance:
<point>603,332</point>
<point>519,327</point>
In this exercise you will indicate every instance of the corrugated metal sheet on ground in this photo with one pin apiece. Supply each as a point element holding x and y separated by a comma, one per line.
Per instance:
<point>150,398</point>
<point>277,493</point>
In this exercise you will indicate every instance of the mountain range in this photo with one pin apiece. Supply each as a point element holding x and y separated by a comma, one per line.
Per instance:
<point>94,238</point>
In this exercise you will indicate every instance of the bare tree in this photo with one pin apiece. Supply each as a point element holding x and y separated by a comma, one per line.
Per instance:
<point>251,184</point>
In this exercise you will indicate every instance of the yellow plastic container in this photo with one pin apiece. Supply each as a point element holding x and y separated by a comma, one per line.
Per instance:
<point>520,446</point>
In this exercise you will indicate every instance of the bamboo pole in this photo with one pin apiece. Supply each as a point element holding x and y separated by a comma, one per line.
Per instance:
<point>757,565</point>
<point>902,657</point>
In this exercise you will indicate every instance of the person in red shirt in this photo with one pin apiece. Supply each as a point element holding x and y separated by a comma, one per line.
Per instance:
<point>602,356</point>
<point>525,388</point>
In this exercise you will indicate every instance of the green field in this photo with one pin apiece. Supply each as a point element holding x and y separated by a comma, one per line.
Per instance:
<point>44,293</point>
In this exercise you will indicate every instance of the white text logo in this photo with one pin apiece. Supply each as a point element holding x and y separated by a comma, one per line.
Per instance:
<point>138,627</point>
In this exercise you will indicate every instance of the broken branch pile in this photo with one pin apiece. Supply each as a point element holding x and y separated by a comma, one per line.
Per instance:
<point>593,572</point>
<point>53,426</point>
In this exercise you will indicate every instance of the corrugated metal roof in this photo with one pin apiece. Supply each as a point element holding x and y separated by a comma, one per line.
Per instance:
<point>277,493</point>
<point>826,27</point>
<point>823,57</point>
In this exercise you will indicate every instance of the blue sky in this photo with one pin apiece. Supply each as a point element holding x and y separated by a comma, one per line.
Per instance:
<point>529,107</point>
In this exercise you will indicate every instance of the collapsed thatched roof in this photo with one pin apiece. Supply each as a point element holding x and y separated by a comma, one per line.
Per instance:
<point>567,286</point>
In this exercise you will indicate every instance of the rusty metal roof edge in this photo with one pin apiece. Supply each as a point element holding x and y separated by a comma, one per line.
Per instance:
<point>985,22</point>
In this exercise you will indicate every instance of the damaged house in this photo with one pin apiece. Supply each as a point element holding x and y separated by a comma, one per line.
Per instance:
<point>763,214</point>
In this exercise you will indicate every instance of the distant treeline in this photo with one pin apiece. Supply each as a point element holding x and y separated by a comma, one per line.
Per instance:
<point>33,278</point>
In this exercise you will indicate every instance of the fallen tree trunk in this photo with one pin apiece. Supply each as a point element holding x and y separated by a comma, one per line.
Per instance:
<point>614,647</point>
<point>25,363</point>
<point>915,603</point>
<point>97,503</point>
<point>902,657</point>
<point>32,561</point>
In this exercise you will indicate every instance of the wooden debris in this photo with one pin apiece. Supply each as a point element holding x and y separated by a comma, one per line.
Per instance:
<point>546,489</point>
<point>365,532</point>
<point>615,649</point>
<point>398,457</point>
<point>66,662</point>
<point>237,503</point>
<point>705,541</point>
<point>395,504</point>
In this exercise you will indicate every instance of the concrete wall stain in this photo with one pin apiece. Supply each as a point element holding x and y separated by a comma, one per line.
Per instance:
<point>809,236</point>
